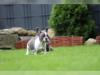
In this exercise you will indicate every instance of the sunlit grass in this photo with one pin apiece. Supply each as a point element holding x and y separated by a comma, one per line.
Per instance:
<point>62,59</point>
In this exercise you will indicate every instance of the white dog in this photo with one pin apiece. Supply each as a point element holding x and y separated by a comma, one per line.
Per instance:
<point>40,41</point>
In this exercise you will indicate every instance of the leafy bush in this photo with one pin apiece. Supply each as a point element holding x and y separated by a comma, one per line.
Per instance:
<point>72,20</point>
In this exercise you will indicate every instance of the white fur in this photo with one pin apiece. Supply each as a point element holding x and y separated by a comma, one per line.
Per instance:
<point>37,46</point>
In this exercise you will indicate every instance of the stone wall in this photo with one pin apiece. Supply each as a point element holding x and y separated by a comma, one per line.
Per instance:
<point>8,40</point>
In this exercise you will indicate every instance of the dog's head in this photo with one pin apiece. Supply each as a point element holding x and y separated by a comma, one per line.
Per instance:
<point>44,36</point>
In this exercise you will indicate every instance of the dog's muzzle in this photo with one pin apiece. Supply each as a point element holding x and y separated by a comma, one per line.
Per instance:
<point>46,40</point>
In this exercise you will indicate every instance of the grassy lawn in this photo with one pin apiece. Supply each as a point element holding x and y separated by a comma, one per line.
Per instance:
<point>63,58</point>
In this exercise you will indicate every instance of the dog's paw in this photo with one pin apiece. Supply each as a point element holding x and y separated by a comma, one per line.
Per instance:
<point>45,53</point>
<point>51,49</point>
<point>35,53</point>
<point>27,53</point>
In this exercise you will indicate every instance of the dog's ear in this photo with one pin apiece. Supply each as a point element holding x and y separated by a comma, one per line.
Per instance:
<point>46,29</point>
<point>37,30</point>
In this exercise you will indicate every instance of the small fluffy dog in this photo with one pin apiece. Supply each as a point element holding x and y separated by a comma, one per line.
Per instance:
<point>40,42</point>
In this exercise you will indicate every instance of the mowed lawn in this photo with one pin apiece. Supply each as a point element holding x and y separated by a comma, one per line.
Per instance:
<point>61,59</point>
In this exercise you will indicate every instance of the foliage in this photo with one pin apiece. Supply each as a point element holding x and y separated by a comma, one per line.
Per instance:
<point>72,20</point>
<point>81,1</point>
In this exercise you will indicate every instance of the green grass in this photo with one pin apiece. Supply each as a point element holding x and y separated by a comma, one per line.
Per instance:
<point>62,59</point>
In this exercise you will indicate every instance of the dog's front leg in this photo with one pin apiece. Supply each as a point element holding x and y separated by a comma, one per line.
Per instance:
<point>27,52</point>
<point>45,48</point>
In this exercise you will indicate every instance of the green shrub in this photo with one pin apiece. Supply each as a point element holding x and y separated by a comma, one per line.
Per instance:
<point>72,20</point>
